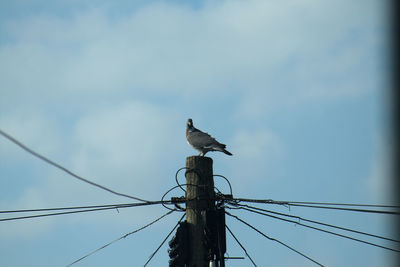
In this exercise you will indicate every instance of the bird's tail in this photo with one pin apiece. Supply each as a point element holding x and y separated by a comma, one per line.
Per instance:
<point>227,152</point>
<point>222,149</point>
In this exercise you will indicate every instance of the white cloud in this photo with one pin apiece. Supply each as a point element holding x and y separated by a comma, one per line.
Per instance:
<point>255,144</point>
<point>127,140</point>
<point>258,154</point>
<point>35,128</point>
<point>173,48</point>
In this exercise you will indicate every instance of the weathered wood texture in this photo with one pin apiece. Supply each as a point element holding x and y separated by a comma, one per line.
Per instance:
<point>200,196</point>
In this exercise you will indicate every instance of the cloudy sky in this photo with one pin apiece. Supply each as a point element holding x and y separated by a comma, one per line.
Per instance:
<point>297,90</point>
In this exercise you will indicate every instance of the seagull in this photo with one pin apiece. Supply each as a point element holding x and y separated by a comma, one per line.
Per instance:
<point>203,142</point>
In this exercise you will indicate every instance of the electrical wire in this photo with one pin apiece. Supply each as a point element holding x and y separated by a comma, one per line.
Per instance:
<point>273,239</point>
<point>181,199</point>
<point>54,164</point>
<point>198,174</point>
<point>77,211</point>
<point>343,204</point>
<point>187,170</point>
<point>347,209</point>
<point>226,179</point>
<point>286,203</point>
<point>122,237</point>
<point>322,230</point>
<point>176,178</point>
<point>245,251</point>
<point>123,205</point>
<point>166,193</point>
<point>320,223</point>
<point>162,243</point>
<point>55,214</point>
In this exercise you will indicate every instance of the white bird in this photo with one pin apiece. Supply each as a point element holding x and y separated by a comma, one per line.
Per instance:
<point>203,142</point>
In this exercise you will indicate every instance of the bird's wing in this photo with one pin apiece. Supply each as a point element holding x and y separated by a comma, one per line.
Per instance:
<point>201,139</point>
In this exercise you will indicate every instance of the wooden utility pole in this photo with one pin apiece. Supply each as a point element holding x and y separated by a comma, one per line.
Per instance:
<point>200,197</point>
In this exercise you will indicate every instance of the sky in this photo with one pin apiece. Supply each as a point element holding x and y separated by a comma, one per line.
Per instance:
<point>297,90</point>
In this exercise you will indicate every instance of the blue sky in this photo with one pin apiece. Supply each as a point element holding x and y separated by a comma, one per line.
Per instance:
<point>298,90</point>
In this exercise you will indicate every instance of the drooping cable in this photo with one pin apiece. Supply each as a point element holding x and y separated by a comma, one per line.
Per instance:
<point>240,244</point>
<point>320,223</point>
<point>346,209</point>
<point>75,211</point>
<point>122,237</point>
<point>322,230</point>
<point>273,239</point>
<point>343,204</point>
<point>165,239</point>
<point>122,205</point>
<point>226,179</point>
<point>54,164</point>
<point>326,205</point>
<point>176,178</point>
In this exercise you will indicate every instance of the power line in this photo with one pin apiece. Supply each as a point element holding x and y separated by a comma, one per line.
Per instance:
<point>122,237</point>
<point>24,147</point>
<point>322,230</point>
<point>126,205</point>
<point>75,211</point>
<point>286,203</point>
<point>273,239</point>
<point>245,251</point>
<point>53,214</point>
<point>320,223</point>
<point>165,239</point>
<point>344,204</point>
<point>347,209</point>
<point>271,201</point>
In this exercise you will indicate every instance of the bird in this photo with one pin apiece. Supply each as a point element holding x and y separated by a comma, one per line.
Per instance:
<point>203,142</point>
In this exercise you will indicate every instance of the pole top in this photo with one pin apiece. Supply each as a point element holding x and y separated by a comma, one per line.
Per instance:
<point>199,159</point>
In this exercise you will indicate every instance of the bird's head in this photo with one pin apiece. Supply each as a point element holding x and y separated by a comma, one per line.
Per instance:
<point>189,123</point>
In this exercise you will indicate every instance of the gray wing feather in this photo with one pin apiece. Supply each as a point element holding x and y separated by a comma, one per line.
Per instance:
<point>200,139</point>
